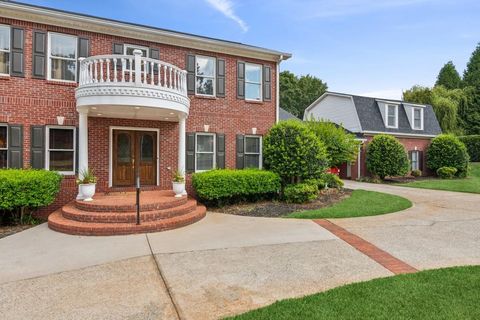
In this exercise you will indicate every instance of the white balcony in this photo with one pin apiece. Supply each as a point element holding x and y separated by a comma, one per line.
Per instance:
<point>132,87</point>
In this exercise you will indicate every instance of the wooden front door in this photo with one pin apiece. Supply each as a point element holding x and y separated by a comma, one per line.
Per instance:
<point>134,152</point>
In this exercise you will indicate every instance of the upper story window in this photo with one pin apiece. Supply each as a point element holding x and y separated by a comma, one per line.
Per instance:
<point>60,149</point>
<point>253,152</point>
<point>417,118</point>
<point>253,82</point>
<point>392,115</point>
<point>205,76</point>
<point>129,48</point>
<point>204,151</point>
<point>4,50</point>
<point>3,146</point>
<point>62,57</point>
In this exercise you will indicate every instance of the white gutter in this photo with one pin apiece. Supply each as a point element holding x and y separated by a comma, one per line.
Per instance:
<point>277,100</point>
<point>412,135</point>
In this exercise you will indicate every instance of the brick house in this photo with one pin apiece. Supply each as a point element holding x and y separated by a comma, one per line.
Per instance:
<point>79,92</point>
<point>414,125</point>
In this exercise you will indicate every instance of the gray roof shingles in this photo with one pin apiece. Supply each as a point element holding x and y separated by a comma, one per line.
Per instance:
<point>285,115</point>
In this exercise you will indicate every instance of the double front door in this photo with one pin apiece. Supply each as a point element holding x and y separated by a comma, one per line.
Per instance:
<point>134,153</point>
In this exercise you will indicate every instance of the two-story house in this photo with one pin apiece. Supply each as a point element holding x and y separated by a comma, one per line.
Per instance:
<point>414,125</point>
<point>79,92</point>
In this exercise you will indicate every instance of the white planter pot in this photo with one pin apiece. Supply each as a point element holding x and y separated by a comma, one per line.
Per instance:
<point>178,188</point>
<point>87,191</point>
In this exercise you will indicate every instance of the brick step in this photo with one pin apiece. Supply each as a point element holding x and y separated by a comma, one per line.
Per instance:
<point>71,212</point>
<point>125,202</point>
<point>57,222</point>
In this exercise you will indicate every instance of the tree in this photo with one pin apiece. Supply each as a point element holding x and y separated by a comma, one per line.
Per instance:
<point>449,77</point>
<point>297,93</point>
<point>386,156</point>
<point>469,111</point>
<point>294,152</point>
<point>418,94</point>
<point>471,75</point>
<point>448,151</point>
<point>341,145</point>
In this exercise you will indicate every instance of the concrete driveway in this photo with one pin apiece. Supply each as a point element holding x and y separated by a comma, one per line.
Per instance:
<point>225,264</point>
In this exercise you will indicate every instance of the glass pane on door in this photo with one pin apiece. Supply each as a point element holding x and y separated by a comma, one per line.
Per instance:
<point>124,148</point>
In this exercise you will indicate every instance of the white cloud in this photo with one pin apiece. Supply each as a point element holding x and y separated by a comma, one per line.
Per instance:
<point>226,8</point>
<point>395,94</point>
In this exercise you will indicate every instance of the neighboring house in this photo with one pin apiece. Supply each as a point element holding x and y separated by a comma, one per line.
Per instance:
<point>285,115</point>
<point>78,92</point>
<point>413,124</point>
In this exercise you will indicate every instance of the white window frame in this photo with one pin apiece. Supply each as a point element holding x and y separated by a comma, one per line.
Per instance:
<point>49,57</point>
<point>134,46</point>
<point>396,116</point>
<point>204,152</point>
<point>6,148</point>
<point>9,51</point>
<point>421,118</point>
<point>417,152</point>
<point>259,83</point>
<point>214,78</point>
<point>260,155</point>
<point>47,148</point>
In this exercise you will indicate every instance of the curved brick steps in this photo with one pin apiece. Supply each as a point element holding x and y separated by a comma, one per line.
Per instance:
<point>72,212</point>
<point>57,222</point>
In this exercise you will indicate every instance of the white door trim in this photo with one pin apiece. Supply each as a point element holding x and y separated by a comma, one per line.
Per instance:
<point>110,150</point>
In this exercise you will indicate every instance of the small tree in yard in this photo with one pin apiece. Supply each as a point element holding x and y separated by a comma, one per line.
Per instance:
<point>386,156</point>
<point>341,145</point>
<point>294,152</point>
<point>447,150</point>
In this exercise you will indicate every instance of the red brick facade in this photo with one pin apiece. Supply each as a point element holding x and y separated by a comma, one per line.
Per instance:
<point>29,101</point>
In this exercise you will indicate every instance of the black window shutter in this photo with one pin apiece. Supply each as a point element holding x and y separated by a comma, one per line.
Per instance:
<point>220,151</point>
<point>410,159</point>
<point>190,63</point>
<point>15,146</point>
<point>118,49</point>
<point>221,78</point>
<point>420,160</point>
<point>190,154</point>
<point>37,147</point>
<point>267,83</point>
<point>240,159</point>
<point>39,54</point>
<point>241,80</point>
<point>83,52</point>
<point>17,45</point>
<point>76,151</point>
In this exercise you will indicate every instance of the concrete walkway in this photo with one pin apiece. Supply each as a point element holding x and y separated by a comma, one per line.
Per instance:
<point>225,264</point>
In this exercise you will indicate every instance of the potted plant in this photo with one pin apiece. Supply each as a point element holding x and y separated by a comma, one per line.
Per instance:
<point>178,184</point>
<point>86,181</point>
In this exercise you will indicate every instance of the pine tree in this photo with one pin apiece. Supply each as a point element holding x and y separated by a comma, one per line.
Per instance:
<point>449,77</point>
<point>471,76</point>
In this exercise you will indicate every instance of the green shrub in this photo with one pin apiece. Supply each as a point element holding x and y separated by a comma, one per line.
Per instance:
<point>416,173</point>
<point>219,187</point>
<point>332,180</point>
<point>320,183</point>
<point>294,152</point>
<point>386,156</point>
<point>473,146</point>
<point>300,192</point>
<point>448,151</point>
<point>446,172</point>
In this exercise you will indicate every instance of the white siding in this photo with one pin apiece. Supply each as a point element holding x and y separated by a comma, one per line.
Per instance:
<point>337,109</point>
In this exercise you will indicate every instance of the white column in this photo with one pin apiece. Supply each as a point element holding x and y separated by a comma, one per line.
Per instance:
<point>181,145</point>
<point>82,144</point>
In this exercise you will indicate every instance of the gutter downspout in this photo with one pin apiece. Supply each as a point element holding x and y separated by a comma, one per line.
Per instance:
<point>277,99</point>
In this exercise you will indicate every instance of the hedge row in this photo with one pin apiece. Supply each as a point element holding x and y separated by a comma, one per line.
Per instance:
<point>473,146</point>
<point>219,187</point>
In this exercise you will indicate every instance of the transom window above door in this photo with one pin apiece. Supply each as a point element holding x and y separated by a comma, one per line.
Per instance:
<point>4,50</point>
<point>253,82</point>
<point>205,76</point>
<point>62,57</point>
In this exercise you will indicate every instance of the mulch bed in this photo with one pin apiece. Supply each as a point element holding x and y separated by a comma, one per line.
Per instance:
<point>6,231</point>
<point>275,209</point>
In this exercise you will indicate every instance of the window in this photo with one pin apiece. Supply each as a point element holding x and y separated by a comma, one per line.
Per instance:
<point>417,118</point>
<point>205,76</point>
<point>61,149</point>
<point>414,160</point>
<point>128,50</point>
<point>3,146</point>
<point>62,57</point>
<point>253,152</point>
<point>4,50</point>
<point>204,151</point>
<point>253,82</point>
<point>392,116</point>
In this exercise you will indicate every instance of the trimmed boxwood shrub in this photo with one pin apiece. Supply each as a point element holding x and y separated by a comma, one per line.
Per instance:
<point>446,172</point>
<point>225,186</point>
<point>447,150</point>
<point>473,146</point>
<point>27,189</point>
<point>300,192</point>
<point>386,156</point>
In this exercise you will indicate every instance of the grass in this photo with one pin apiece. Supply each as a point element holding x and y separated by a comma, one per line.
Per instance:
<point>470,184</point>
<point>360,204</point>
<point>452,293</point>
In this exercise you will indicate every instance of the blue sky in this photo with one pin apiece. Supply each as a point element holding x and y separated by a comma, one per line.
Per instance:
<point>368,47</point>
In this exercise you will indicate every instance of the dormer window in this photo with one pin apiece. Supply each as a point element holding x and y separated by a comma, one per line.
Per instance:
<point>417,116</point>
<point>391,115</point>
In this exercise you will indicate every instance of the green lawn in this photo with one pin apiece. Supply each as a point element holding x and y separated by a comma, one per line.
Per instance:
<point>452,293</point>
<point>470,184</point>
<point>361,203</point>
